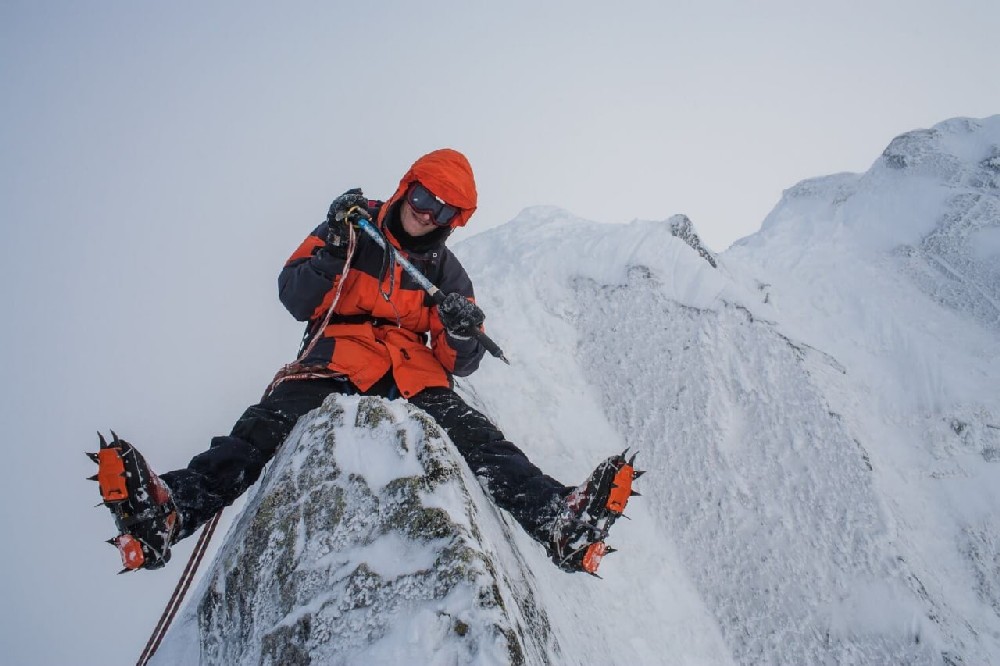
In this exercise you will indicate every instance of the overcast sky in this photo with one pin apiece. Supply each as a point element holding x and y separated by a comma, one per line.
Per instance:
<point>159,161</point>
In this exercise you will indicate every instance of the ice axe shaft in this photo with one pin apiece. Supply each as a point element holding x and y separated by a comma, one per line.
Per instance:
<point>363,221</point>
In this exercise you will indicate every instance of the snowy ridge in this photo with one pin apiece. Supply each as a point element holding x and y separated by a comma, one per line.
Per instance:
<point>770,499</point>
<point>822,426</point>
<point>547,246</point>
<point>681,226</point>
<point>932,199</point>
<point>956,258</point>
<point>782,539</point>
<point>819,414</point>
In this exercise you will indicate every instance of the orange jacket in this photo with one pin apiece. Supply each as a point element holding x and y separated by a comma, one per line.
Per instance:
<point>384,320</point>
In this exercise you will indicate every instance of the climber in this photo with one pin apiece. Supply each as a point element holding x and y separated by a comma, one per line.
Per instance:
<point>372,330</point>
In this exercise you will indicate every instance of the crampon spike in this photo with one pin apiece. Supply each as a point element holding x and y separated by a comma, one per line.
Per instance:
<point>635,494</point>
<point>93,456</point>
<point>111,475</point>
<point>620,490</point>
<point>631,461</point>
<point>637,473</point>
<point>92,478</point>
<point>131,551</point>
<point>140,503</point>
<point>592,557</point>
<point>591,509</point>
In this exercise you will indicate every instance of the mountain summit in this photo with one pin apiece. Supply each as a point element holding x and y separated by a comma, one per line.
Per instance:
<point>817,409</point>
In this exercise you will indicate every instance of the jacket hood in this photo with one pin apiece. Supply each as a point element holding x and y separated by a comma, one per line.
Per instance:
<point>448,174</point>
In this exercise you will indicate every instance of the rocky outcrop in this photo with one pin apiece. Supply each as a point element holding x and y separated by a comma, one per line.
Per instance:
<point>681,227</point>
<point>364,545</point>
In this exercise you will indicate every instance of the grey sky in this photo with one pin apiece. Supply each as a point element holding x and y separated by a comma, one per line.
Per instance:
<point>161,160</point>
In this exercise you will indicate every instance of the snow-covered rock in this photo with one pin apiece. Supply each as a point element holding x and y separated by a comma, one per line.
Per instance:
<point>681,226</point>
<point>365,544</point>
<point>821,422</point>
<point>818,408</point>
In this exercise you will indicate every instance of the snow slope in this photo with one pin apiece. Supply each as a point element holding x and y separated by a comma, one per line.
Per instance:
<point>821,413</point>
<point>817,408</point>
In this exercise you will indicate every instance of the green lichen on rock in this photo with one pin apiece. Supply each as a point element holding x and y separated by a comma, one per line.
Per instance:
<point>372,412</point>
<point>287,645</point>
<point>438,466</point>
<point>406,514</point>
<point>322,511</point>
<point>325,561</point>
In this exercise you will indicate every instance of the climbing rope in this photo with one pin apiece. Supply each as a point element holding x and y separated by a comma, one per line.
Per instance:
<point>295,369</point>
<point>291,371</point>
<point>180,591</point>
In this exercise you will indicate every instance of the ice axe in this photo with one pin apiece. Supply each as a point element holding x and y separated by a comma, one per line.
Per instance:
<point>363,220</point>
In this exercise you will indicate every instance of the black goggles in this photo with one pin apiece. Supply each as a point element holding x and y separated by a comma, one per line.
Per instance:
<point>423,200</point>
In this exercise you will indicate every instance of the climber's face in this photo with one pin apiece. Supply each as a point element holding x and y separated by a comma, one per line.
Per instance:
<point>414,223</point>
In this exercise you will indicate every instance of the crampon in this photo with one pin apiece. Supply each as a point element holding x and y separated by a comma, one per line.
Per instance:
<point>139,501</point>
<point>591,509</point>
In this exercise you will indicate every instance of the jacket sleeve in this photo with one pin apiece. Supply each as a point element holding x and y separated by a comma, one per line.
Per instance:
<point>308,276</point>
<point>459,357</point>
<point>306,283</point>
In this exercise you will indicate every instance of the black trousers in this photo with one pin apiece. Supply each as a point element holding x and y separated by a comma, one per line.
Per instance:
<point>232,464</point>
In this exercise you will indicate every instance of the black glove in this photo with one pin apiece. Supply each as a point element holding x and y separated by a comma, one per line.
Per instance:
<point>460,316</point>
<point>337,222</point>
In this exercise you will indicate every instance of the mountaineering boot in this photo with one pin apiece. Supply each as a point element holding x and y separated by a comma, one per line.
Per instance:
<point>579,531</point>
<point>146,517</point>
